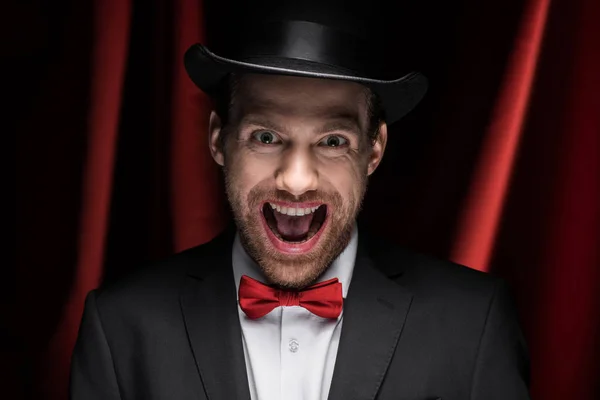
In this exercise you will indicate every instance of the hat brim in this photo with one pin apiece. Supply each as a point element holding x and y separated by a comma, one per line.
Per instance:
<point>398,96</point>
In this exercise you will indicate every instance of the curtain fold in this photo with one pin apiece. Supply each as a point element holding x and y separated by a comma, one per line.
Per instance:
<point>566,345</point>
<point>482,211</point>
<point>196,207</point>
<point>108,63</point>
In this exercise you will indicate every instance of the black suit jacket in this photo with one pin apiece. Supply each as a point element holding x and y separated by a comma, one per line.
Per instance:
<point>414,328</point>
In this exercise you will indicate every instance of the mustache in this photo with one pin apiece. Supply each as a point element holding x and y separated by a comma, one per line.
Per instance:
<point>258,195</point>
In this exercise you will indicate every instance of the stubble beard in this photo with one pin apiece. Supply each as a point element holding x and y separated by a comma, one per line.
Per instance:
<point>292,271</point>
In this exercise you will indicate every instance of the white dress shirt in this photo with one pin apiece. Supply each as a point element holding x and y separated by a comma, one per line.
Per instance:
<point>290,352</point>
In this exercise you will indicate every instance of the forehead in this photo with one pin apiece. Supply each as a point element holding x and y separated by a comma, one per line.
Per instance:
<point>300,97</point>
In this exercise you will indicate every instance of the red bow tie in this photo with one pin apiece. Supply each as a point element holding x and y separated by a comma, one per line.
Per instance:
<point>323,299</point>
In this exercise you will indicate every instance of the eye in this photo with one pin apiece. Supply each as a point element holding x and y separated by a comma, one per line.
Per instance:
<point>265,137</point>
<point>333,141</point>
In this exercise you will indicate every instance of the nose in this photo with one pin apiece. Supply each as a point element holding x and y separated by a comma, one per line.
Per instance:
<point>297,173</point>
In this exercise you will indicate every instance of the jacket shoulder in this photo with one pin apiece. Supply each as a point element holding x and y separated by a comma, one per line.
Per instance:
<point>427,275</point>
<point>160,281</point>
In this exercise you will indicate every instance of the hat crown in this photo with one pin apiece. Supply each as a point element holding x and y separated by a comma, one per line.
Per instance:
<point>352,17</point>
<point>346,36</point>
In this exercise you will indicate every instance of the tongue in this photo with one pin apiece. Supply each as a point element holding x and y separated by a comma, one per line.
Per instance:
<point>293,228</point>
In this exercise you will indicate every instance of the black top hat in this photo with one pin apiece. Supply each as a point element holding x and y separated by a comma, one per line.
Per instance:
<point>318,39</point>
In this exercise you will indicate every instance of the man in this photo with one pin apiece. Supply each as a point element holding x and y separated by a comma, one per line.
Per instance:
<point>296,302</point>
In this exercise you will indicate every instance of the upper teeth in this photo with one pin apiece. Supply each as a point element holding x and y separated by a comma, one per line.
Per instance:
<point>294,211</point>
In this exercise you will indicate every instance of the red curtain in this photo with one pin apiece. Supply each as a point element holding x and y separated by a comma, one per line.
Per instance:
<point>497,169</point>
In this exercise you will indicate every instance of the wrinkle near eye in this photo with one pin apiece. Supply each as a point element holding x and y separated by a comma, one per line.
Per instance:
<point>343,155</point>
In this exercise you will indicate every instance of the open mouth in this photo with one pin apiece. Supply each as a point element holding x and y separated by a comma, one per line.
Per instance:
<point>295,224</point>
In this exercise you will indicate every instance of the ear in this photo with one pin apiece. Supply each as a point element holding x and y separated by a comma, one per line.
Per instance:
<point>378,148</point>
<point>214,138</point>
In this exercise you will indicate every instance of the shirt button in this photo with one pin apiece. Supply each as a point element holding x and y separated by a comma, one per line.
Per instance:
<point>293,345</point>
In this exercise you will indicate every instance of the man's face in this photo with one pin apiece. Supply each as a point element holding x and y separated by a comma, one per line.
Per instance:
<point>296,160</point>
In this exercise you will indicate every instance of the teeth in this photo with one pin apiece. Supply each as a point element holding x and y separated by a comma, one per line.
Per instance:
<point>293,211</point>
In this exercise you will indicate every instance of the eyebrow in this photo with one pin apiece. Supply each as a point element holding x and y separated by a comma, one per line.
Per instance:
<point>261,121</point>
<point>340,122</point>
<point>344,123</point>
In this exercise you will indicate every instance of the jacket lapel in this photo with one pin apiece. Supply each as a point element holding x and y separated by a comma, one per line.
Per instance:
<point>374,314</point>
<point>210,312</point>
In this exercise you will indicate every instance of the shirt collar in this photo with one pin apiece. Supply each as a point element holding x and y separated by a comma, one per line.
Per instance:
<point>341,268</point>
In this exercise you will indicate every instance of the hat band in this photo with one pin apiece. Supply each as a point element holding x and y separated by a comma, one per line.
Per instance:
<point>308,41</point>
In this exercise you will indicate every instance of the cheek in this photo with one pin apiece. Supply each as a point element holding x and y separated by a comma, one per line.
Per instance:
<point>246,171</point>
<point>345,175</point>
